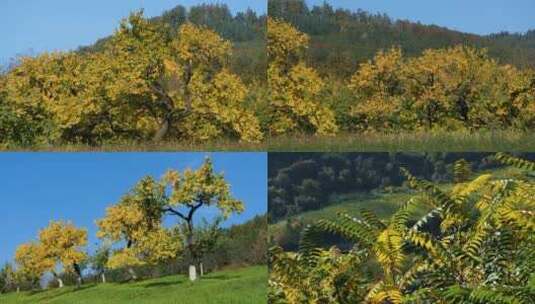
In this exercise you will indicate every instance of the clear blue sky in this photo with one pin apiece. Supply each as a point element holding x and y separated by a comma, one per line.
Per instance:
<point>474,16</point>
<point>33,26</point>
<point>38,187</point>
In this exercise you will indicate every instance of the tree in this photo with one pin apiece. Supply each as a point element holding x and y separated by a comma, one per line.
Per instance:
<point>7,278</point>
<point>99,260</point>
<point>63,244</point>
<point>294,88</point>
<point>146,81</point>
<point>192,190</point>
<point>32,262</point>
<point>136,221</point>
<point>179,84</point>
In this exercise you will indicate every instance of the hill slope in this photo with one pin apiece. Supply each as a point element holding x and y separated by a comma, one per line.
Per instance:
<point>242,286</point>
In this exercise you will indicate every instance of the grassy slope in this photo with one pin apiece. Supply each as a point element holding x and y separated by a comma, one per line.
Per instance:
<point>459,141</point>
<point>247,286</point>
<point>384,204</point>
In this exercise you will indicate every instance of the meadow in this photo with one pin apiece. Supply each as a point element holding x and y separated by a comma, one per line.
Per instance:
<point>233,286</point>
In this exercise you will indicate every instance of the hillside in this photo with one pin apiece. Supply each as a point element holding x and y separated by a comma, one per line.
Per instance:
<point>241,286</point>
<point>341,39</point>
<point>287,232</point>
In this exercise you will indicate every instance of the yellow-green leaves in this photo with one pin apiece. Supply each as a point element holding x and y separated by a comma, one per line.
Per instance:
<point>32,261</point>
<point>457,87</point>
<point>59,244</point>
<point>293,87</point>
<point>202,186</point>
<point>64,244</point>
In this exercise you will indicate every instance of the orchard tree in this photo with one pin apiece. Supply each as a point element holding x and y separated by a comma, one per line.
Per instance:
<point>294,88</point>
<point>136,222</point>
<point>378,89</point>
<point>178,84</point>
<point>99,261</point>
<point>63,243</point>
<point>192,190</point>
<point>32,262</point>
<point>147,81</point>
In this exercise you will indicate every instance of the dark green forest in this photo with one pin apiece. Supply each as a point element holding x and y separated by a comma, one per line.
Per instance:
<point>341,38</point>
<point>300,182</point>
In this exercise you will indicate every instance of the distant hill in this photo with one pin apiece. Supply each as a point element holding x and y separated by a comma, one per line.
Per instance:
<point>245,29</point>
<point>342,38</point>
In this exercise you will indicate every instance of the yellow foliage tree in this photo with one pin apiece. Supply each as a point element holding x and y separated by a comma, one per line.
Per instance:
<point>63,243</point>
<point>136,221</point>
<point>294,88</point>
<point>32,262</point>
<point>179,82</point>
<point>146,82</point>
<point>192,190</point>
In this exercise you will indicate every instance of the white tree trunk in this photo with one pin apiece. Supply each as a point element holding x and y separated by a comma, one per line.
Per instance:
<point>132,273</point>
<point>103,277</point>
<point>192,273</point>
<point>201,269</point>
<point>60,282</point>
<point>78,282</point>
<point>18,289</point>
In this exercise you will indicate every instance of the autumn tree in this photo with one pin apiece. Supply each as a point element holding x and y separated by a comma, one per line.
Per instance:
<point>147,81</point>
<point>136,221</point>
<point>294,88</point>
<point>32,262</point>
<point>178,84</point>
<point>378,90</point>
<point>452,88</point>
<point>63,244</point>
<point>192,190</point>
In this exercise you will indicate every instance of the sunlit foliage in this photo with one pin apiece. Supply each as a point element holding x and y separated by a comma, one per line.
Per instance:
<point>294,88</point>
<point>474,245</point>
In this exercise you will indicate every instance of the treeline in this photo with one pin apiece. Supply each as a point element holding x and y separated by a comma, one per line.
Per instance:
<point>457,88</point>
<point>152,82</point>
<point>309,181</point>
<point>239,245</point>
<point>341,39</point>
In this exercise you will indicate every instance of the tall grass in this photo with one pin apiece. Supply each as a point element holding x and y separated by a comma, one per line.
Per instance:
<point>455,141</point>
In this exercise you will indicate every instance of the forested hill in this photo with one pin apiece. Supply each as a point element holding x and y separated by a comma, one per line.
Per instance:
<point>245,29</point>
<point>239,27</point>
<point>340,38</point>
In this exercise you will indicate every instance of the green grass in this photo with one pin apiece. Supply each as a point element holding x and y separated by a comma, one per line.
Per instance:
<point>383,205</point>
<point>241,286</point>
<point>458,141</point>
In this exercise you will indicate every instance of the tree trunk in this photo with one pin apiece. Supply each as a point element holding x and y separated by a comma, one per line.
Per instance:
<point>79,282</point>
<point>192,273</point>
<point>60,282</point>
<point>132,273</point>
<point>201,269</point>
<point>18,289</point>
<point>162,131</point>
<point>103,277</point>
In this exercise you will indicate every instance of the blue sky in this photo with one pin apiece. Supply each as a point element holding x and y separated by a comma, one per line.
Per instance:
<point>38,187</point>
<point>474,16</point>
<point>33,26</point>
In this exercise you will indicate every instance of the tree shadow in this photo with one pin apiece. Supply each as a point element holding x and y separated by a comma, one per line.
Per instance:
<point>66,291</point>
<point>162,284</point>
<point>220,277</point>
